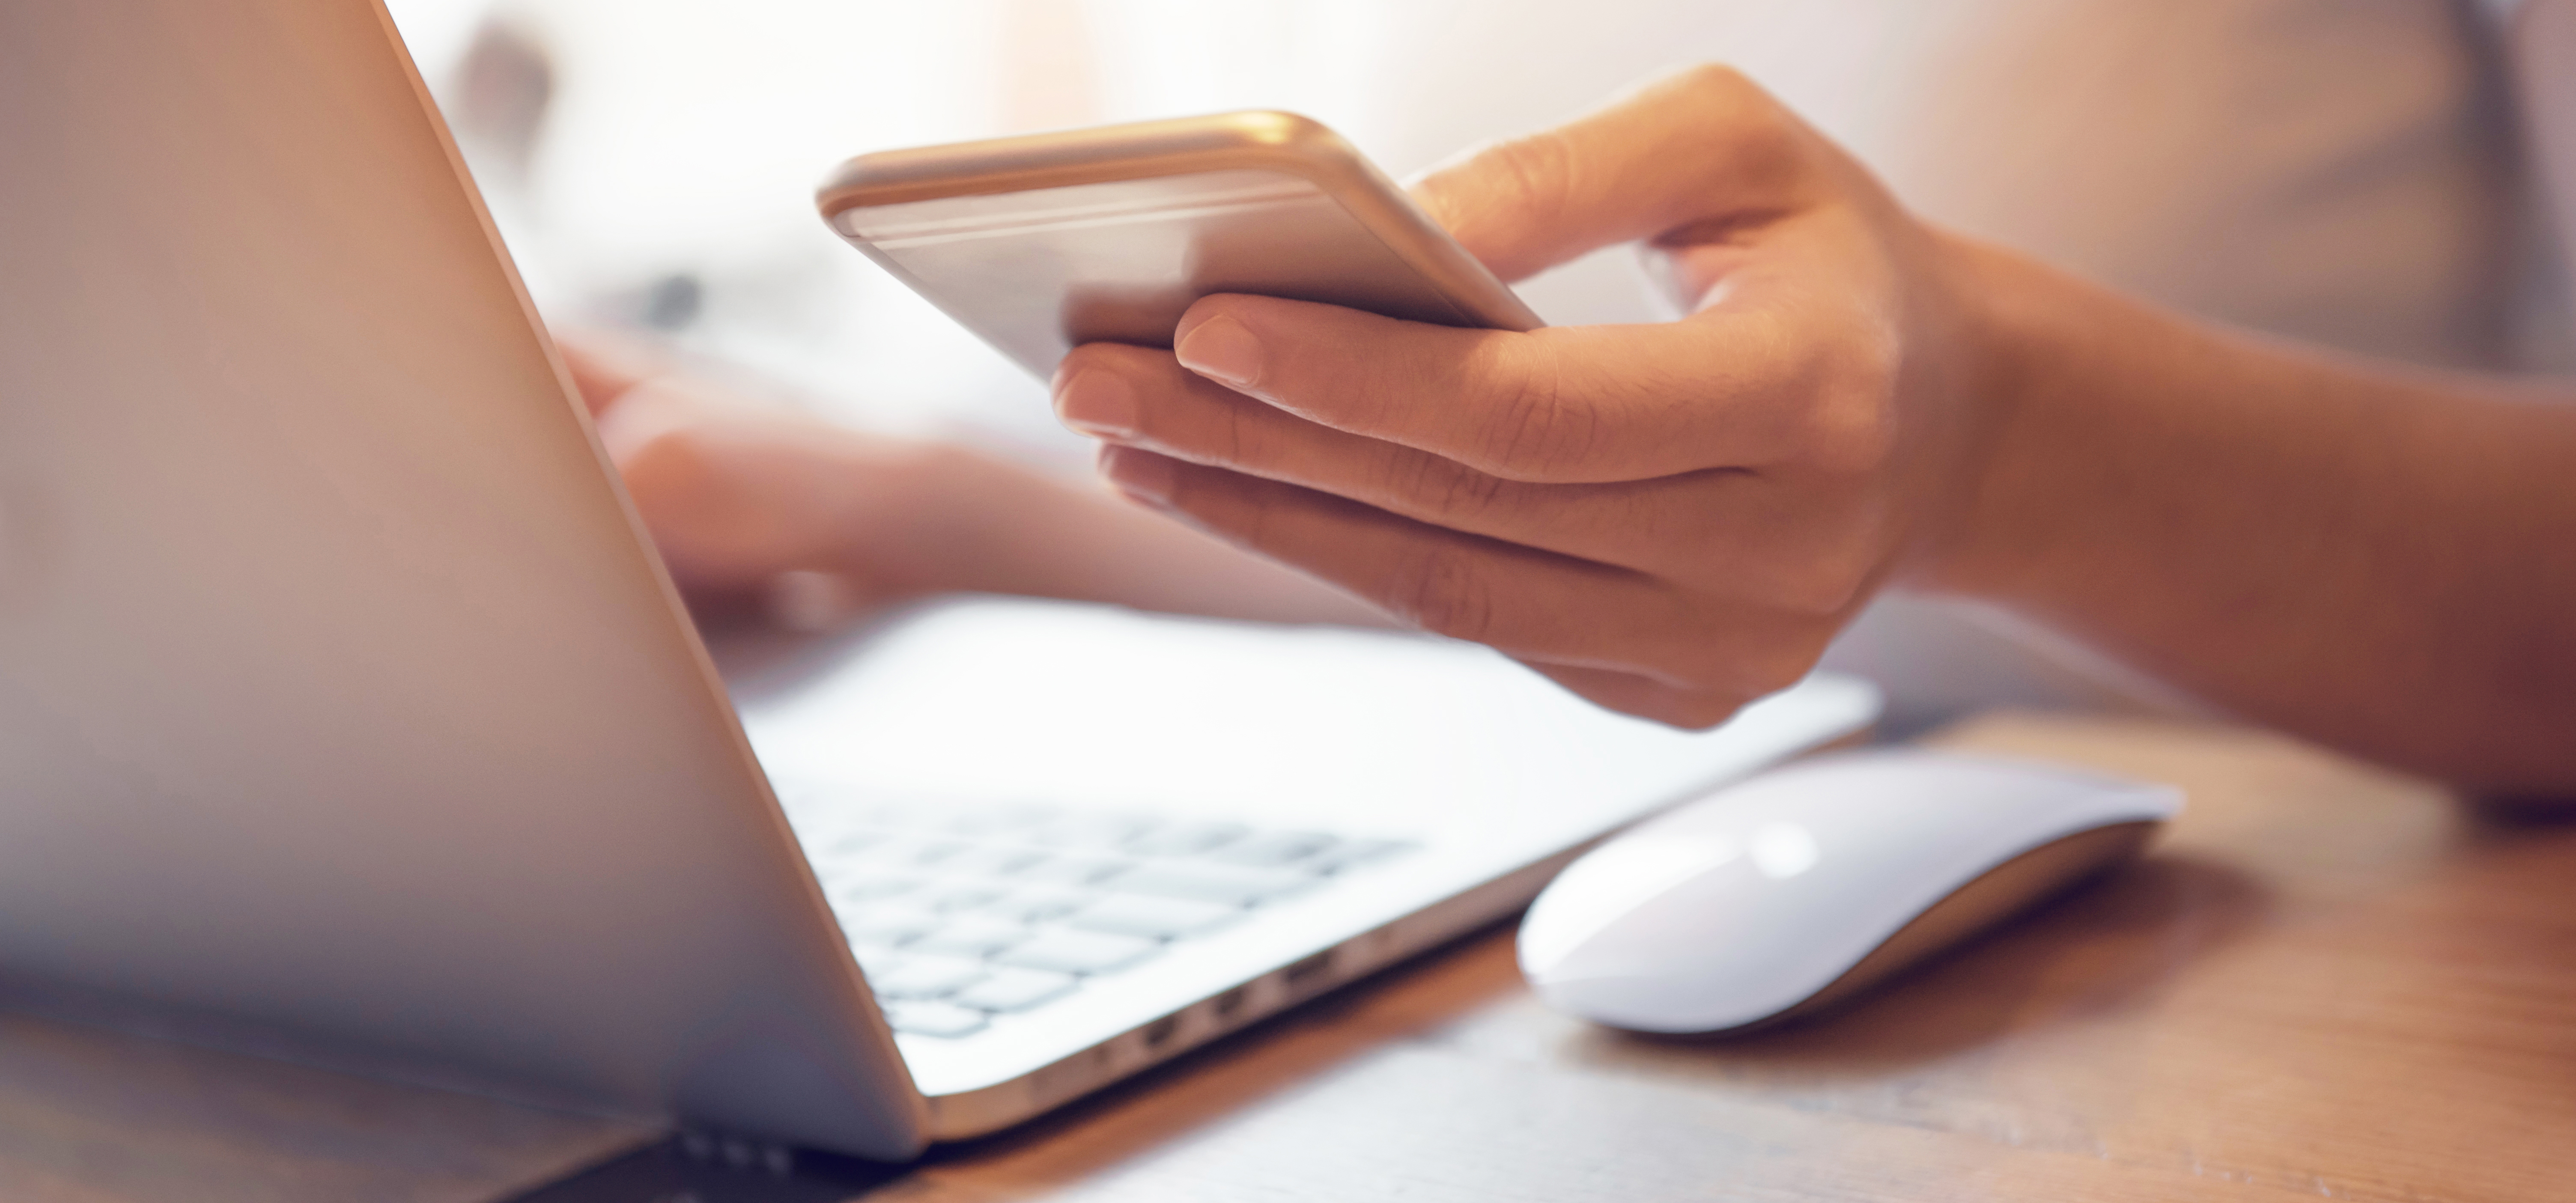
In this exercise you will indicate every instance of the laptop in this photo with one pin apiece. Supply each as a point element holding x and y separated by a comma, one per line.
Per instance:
<point>345,715</point>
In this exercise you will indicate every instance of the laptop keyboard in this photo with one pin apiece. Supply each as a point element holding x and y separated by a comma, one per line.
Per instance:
<point>962,912</point>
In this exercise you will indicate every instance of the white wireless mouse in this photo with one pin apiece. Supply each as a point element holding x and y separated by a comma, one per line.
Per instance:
<point>1780,895</point>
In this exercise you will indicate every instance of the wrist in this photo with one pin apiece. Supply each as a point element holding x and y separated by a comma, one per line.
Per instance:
<point>2004,488</point>
<point>949,520</point>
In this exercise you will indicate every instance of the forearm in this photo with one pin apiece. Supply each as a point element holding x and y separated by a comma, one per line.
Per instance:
<point>1002,528</point>
<point>2378,559</point>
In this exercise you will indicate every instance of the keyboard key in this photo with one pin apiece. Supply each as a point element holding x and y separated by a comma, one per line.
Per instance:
<point>1037,904</point>
<point>1354,853</point>
<point>857,842</point>
<point>1092,831</point>
<point>897,853</point>
<point>886,928</point>
<point>1228,885</point>
<point>1015,990</point>
<point>932,1018</point>
<point>954,896</point>
<point>1074,871</point>
<point>1151,917</point>
<point>863,886</point>
<point>1185,839</point>
<point>969,936</point>
<point>878,959</point>
<point>1275,849</point>
<point>860,808</point>
<point>991,860</point>
<point>926,977</point>
<point>1079,952</point>
<point>994,820</point>
<point>935,852</point>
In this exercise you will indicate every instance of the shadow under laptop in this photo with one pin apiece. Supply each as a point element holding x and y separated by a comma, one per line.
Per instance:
<point>2106,947</point>
<point>698,1169</point>
<point>1152,1109</point>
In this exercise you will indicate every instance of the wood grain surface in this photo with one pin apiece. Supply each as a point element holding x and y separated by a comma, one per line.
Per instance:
<point>2326,981</point>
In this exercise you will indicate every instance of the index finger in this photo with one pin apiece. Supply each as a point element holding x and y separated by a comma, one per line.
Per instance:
<point>1563,405</point>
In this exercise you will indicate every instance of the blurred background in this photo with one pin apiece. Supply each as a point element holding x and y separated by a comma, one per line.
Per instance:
<point>2339,171</point>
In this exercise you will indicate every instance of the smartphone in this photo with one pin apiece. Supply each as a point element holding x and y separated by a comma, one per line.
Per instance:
<point>1044,242</point>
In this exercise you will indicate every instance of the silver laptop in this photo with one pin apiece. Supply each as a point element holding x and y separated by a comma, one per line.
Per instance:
<point>345,715</point>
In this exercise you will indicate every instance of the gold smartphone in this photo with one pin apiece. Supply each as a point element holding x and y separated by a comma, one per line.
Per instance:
<point>1044,242</point>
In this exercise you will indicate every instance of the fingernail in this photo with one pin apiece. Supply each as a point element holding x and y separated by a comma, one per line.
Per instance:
<point>1141,475</point>
<point>1223,349</point>
<point>1099,404</point>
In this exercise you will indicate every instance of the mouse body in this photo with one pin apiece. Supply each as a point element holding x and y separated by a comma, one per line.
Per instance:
<point>1781,895</point>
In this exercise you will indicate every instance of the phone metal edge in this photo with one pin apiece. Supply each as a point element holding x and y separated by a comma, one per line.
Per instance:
<point>1258,139</point>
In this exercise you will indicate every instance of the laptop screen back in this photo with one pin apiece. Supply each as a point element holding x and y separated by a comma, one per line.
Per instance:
<point>337,694</point>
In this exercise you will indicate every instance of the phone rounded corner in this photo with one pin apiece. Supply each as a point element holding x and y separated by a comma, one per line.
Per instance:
<point>1278,127</point>
<point>1293,138</point>
<point>835,195</point>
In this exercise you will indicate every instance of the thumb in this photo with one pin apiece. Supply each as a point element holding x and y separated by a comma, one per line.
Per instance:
<point>1705,145</point>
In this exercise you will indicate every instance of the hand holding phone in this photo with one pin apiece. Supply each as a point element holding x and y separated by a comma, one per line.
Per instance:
<point>1670,518</point>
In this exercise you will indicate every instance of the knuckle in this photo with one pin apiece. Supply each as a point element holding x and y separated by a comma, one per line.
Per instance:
<point>1779,664</point>
<point>1755,663</point>
<point>1829,579</point>
<point>1532,172</point>
<point>1851,427</point>
<point>1717,81</point>
<point>1237,439</point>
<point>1764,139</point>
<point>1439,590</point>
<point>1732,97</point>
<point>1775,673</point>
<point>1446,489</point>
<point>1533,430</point>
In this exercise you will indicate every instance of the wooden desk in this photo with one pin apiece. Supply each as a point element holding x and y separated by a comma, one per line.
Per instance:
<point>2326,982</point>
